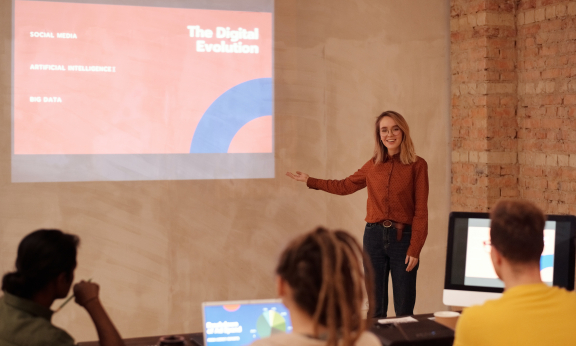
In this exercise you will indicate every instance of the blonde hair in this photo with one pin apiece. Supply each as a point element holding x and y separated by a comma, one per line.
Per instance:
<point>407,152</point>
<point>324,270</point>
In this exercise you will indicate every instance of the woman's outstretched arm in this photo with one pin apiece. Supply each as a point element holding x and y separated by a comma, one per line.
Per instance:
<point>353,183</point>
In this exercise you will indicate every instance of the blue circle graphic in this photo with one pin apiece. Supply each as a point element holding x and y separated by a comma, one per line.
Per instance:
<point>229,112</point>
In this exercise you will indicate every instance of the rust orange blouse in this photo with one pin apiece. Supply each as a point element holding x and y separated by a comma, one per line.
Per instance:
<point>396,192</point>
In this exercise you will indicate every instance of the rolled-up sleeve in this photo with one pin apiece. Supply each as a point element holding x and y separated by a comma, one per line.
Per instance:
<point>420,220</point>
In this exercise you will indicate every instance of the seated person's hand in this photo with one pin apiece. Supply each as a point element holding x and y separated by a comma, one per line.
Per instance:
<point>85,292</point>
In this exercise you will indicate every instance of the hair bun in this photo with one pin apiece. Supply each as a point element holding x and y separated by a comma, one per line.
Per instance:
<point>14,283</point>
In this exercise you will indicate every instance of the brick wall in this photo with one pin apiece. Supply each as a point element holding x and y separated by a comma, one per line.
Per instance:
<point>513,103</point>
<point>546,46</point>
<point>484,101</point>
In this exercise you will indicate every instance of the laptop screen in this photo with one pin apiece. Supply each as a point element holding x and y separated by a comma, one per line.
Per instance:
<point>241,322</point>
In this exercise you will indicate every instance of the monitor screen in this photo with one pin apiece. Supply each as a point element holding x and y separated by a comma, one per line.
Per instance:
<point>469,266</point>
<point>240,323</point>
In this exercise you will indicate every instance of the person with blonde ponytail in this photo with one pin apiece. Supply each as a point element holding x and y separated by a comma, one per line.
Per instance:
<point>397,210</point>
<point>322,283</point>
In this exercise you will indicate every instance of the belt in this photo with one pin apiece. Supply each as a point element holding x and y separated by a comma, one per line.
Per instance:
<point>398,225</point>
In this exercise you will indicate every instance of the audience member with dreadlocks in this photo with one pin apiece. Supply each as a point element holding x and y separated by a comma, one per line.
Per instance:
<point>321,281</point>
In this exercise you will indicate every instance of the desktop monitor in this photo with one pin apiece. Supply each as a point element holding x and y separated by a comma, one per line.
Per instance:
<point>470,277</point>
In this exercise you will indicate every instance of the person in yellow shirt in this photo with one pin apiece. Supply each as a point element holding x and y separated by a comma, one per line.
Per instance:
<point>529,312</point>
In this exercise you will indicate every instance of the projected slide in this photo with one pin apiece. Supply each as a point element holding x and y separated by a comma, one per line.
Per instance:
<point>479,270</point>
<point>106,91</point>
<point>237,325</point>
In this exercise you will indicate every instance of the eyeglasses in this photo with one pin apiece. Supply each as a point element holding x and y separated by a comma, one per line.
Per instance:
<point>487,246</point>
<point>395,131</point>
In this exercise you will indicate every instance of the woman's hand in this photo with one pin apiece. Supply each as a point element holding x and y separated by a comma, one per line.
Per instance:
<point>411,262</point>
<point>299,176</point>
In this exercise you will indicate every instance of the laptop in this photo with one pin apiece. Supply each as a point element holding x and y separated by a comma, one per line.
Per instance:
<point>239,323</point>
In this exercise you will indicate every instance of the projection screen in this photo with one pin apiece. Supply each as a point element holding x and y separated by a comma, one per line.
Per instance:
<point>142,90</point>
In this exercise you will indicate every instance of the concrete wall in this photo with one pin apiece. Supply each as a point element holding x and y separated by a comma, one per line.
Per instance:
<point>160,248</point>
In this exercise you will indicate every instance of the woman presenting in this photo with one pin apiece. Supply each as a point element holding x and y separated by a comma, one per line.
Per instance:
<point>397,210</point>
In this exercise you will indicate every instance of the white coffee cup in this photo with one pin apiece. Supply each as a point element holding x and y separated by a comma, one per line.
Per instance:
<point>447,318</point>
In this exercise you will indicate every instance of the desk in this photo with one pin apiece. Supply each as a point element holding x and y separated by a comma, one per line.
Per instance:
<point>143,341</point>
<point>384,333</point>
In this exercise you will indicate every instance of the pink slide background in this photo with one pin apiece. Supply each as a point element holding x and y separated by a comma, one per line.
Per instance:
<point>160,90</point>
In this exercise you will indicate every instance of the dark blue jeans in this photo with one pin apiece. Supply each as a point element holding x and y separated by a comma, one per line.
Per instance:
<point>388,256</point>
